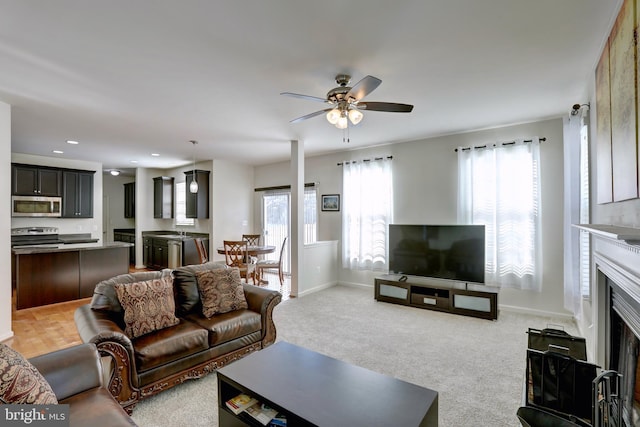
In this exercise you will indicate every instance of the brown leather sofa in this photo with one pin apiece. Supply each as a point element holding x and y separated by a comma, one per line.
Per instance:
<point>75,376</point>
<point>196,346</point>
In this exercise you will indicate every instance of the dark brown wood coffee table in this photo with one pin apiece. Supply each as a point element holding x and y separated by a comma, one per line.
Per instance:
<point>313,389</point>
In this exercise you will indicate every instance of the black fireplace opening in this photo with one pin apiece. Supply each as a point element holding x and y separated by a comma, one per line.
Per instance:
<point>623,349</point>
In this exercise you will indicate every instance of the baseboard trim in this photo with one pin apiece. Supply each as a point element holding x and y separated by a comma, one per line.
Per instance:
<point>317,288</point>
<point>535,312</point>
<point>6,336</point>
<point>356,285</point>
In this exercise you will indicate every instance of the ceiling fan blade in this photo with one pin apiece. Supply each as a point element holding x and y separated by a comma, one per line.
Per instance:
<point>310,115</point>
<point>363,88</point>
<point>391,107</point>
<point>307,97</point>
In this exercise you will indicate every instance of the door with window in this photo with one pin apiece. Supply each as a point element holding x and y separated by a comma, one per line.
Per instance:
<point>276,217</point>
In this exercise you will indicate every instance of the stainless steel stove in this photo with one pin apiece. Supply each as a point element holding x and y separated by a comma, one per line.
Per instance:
<point>34,236</point>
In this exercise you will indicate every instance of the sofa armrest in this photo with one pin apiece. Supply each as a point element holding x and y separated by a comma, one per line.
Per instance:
<point>71,370</point>
<point>100,328</point>
<point>263,301</point>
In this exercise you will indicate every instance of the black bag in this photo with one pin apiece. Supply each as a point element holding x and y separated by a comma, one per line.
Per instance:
<point>541,340</point>
<point>534,417</point>
<point>559,383</point>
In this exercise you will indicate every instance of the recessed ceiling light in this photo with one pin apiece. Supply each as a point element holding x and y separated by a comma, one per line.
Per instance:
<point>69,141</point>
<point>134,161</point>
<point>155,154</point>
<point>58,152</point>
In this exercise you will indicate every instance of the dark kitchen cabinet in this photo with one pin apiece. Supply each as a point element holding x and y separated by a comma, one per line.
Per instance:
<point>163,197</point>
<point>123,235</point>
<point>147,251</point>
<point>77,194</point>
<point>28,180</point>
<point>130,200</point>
<point>197,203</point>
<point>160,253</point>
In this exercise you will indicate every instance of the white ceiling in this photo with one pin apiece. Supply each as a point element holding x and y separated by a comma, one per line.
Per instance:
<point>130,78</point>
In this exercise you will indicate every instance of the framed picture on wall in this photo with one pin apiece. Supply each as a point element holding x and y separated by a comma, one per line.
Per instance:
<point>330,202</point>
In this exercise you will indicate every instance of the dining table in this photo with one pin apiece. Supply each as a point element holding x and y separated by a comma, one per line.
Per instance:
<point>254,251</point>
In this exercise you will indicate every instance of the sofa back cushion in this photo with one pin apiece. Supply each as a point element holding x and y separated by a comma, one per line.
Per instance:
<point>221,291</point>
<point>185,285</point>
<point>21,382</point>
<point>148,305</point>
<point>104,294</point>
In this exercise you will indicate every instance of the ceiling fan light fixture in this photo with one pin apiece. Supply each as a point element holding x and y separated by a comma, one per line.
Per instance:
<point>342,122</point>
<point>333,116</point>
<point>355,116</point>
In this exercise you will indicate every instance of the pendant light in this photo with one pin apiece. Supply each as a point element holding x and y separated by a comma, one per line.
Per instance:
<point>193,187</point>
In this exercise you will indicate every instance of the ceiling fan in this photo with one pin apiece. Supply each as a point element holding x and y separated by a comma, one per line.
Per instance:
<point>346,102</point>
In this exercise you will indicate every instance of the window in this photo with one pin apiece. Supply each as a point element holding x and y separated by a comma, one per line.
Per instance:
<point>585,275</point>
<point>181,205</point>
<point>310,215</point>
<point>499,187</point>
<point>367,205</point>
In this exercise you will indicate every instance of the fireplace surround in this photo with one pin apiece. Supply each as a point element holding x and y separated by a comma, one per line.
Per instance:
<point>615,305</point>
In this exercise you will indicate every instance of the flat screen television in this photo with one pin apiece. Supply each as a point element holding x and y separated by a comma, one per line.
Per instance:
<point>453,252</point>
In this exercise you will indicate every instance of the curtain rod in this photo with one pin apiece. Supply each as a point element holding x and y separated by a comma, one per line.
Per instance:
<point>283,187</point>
<point>364,160</point>
<point>503,143</point>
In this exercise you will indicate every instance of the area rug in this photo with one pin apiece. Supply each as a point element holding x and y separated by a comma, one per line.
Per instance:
<point>476,365</point>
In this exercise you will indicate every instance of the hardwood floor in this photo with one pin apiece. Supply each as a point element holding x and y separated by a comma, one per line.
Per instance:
<point>39,330</point>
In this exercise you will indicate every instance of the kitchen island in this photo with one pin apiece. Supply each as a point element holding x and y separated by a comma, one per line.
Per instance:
<point>47,275</point>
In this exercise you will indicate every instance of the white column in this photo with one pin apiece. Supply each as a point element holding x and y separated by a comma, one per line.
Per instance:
<point>297,213</point>
<point>5,218</point>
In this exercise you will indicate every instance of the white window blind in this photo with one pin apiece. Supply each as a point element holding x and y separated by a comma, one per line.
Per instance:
<point>181,205</point>
<point>367,212</point>
<point>499,186</point>
<point>585,273</point>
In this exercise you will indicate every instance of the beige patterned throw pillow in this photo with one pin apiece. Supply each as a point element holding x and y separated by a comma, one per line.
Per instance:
<point>21,382</point>
<point>148,305</point>
<point>221,291</point>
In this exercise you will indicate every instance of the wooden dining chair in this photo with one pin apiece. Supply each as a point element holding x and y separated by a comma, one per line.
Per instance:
<point>235,253</point>
<point>202,250</point>
<point>272,264</point>
<point>252,240</point>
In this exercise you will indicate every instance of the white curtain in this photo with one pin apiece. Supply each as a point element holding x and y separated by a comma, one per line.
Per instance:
<point>367,212</point>
<point>499,186</point>
<point>571,143</point>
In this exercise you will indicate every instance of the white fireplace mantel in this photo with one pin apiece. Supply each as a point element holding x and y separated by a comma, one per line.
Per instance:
<point>615,255</point>
<point>630,235</point>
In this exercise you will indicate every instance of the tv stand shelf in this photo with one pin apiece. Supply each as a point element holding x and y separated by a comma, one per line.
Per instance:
<point>483,304</point>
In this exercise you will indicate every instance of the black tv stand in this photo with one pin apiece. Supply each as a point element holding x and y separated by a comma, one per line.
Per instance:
<point>456,300</point>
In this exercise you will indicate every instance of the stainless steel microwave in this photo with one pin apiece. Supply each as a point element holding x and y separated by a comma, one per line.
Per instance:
<point>36,206</point>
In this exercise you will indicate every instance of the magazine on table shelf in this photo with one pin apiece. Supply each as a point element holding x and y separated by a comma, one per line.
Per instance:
<point>261,412</point>
<point>240,403</point>
<point>279,420</point>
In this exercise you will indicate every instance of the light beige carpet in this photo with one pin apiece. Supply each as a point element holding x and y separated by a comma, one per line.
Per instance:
<point>476,365</point>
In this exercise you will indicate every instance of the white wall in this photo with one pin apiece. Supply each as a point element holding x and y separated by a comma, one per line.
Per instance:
<point>66,225</point>
<point>231,203</point>
<point>5,218</point>
<point>319,270</point>
<point>425,191</point>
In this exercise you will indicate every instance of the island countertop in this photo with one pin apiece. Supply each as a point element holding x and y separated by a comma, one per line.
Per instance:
<point>40,249</point>
<point>47,275</point>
